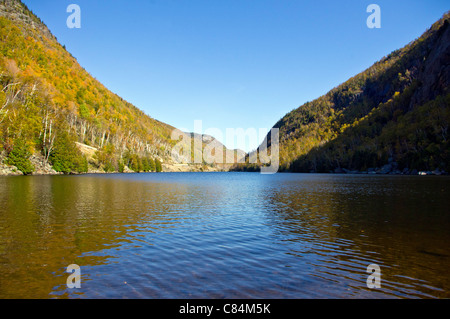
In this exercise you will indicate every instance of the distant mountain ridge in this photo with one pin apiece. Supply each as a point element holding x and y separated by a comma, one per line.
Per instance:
<point>391,118</point>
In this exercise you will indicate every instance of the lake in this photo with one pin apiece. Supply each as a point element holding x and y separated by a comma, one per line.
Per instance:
<point>224,235</point>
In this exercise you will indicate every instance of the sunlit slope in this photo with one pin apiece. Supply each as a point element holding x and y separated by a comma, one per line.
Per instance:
<point>394,113</point>
<point>48,101</point>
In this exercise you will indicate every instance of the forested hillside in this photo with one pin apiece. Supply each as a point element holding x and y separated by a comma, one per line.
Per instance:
<point>392,118</point>
<point>55,117</point>
<point>48,102</point>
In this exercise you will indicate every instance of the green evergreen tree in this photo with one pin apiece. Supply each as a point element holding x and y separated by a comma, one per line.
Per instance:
<point>135,163</point>
<point>151,163</point>
<point>158,165</point>
<point>121,166</point>
<point>145,164</point>
<point>66,157</point>
<point>20,157</point>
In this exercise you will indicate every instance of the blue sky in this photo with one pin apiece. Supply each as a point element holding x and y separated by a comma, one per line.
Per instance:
<point>230,63</point>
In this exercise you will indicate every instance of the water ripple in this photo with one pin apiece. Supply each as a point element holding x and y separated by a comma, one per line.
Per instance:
<point>216,235</point>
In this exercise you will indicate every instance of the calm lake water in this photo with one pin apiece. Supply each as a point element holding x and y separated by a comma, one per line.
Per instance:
<point>224,235</point>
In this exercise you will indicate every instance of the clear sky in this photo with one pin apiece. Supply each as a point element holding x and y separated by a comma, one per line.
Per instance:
<point>230,63</point>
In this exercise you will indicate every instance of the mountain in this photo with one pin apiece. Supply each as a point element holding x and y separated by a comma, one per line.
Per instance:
<point>56,117</point>
<point>391,118</point>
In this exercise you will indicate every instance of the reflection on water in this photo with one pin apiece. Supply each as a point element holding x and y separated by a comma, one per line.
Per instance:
<point>224,235</point>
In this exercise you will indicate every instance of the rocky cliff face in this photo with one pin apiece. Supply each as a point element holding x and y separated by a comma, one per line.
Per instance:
<point>434,71</point>
<point>18,12</point>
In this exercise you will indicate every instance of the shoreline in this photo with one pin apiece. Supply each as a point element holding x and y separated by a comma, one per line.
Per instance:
<point>16,172</point>
<point>42,168</point>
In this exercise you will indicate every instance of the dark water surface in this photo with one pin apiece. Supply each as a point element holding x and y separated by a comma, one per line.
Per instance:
<point>224,235</point>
